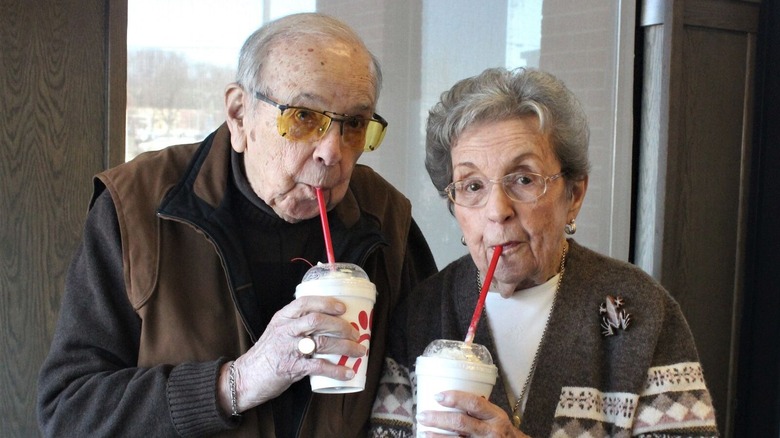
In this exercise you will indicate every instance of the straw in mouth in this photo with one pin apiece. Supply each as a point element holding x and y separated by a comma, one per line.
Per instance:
<point>325,226</point>
<point>483,293</point>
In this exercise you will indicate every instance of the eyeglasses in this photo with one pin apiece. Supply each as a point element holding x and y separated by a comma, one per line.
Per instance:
<point>304,124</point>
<point>519,186</point>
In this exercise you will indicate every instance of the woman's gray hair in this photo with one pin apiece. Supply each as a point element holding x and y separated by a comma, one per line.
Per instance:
<point>254,52</point>
<point>499,94</point>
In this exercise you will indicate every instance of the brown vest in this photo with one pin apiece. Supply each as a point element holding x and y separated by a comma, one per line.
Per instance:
<point>176,281</point>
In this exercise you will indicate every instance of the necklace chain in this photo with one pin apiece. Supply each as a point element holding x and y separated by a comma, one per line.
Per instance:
<point>516,416</point>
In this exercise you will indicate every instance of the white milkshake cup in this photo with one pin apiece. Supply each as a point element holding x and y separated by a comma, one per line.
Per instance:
<point>452,365</point>
<point>350,284</point>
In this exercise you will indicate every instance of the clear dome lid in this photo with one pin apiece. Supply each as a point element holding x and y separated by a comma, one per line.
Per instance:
<point>333,271</point>
<point>459,350</point>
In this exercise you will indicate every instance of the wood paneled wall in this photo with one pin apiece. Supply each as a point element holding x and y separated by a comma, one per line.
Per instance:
<point>55,92</point>
<point>695,150</point>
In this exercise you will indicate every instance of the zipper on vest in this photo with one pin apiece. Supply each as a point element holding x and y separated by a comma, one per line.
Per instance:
<point>228,280</point>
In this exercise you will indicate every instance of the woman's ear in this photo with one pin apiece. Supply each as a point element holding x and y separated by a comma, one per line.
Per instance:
<point>578,190</point>
<point>235,109</point>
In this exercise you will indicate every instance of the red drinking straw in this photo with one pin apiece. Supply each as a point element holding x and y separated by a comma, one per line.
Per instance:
<point>482,294</point>
<point>325,226</point>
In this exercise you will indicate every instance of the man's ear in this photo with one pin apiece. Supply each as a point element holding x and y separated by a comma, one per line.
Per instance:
<point>235,109</point>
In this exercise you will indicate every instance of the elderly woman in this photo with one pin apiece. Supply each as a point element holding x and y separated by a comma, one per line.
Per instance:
<point>585,345</point>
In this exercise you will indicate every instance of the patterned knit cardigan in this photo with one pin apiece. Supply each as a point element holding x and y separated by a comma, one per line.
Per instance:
<point>645,380</point>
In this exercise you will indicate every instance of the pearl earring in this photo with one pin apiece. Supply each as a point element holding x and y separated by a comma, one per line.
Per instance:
<point>570,228</point>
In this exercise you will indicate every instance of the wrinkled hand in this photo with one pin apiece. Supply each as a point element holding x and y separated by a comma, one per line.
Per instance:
<point>274,362</point>
<point>479,418</point>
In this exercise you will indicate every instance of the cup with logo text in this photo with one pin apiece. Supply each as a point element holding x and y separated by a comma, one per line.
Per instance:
<point>350,284</point>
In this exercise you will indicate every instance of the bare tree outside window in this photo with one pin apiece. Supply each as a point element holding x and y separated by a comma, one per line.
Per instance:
<point>171,99</point>
<point>180,56</point>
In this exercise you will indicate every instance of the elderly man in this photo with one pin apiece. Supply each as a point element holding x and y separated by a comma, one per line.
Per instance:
<point>179,317</point>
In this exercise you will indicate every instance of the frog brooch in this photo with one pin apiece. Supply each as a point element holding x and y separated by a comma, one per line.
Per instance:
<point>613,316</point>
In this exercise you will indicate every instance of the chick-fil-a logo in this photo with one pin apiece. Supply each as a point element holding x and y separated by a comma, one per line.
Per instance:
<point>365,321</point>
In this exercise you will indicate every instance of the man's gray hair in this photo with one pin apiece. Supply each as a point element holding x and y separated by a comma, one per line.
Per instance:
<point>254,53</point>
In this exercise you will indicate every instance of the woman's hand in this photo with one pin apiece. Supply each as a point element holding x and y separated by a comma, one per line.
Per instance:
<point>479,417</point>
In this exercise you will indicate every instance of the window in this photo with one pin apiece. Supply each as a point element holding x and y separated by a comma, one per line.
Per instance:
<point>181,54</point>
<point>178,68</point>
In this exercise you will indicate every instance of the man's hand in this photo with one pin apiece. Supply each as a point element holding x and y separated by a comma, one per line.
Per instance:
<point>274,362</point>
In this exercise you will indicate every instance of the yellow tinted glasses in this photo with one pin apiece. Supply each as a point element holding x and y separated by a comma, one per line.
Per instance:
<point>303,124</point>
